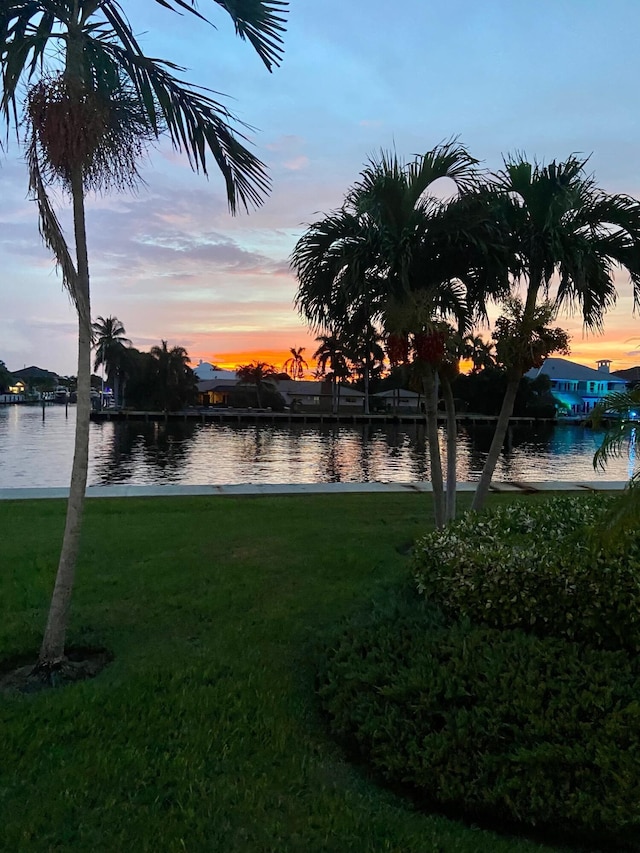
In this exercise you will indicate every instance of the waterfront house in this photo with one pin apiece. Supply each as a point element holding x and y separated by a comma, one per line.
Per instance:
<point>216,392</point>
<point>206,372</point>
<point>304,395</point>
<point>301,393</point>
<point>18,387</point>
<point>399,400</point>
<point>576,388</point>
<point>298,395</point>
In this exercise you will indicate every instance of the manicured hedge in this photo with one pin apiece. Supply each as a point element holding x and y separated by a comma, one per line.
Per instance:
<point>538,566</point>
<point>497,723</point>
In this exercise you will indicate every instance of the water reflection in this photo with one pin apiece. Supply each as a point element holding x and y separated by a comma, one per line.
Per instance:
<point>129,448</point>
<point>37,453</point>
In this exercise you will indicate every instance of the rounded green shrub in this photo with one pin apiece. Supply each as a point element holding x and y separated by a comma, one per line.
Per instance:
<point>546,567</point>
<point>496,723</point>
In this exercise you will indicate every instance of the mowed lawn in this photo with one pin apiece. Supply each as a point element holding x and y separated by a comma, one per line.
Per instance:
<point>203,733</point>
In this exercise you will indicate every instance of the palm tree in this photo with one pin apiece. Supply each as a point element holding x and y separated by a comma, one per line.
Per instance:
<point>559,227</point>
<point>256,373</point>
<point>621,410</point>
<point>296,365</point>
<point>94,101</point>
<point>175,379</point>
<point>406,258</point>
<point>331,354</point>
<point>110,345</point>
<point>479,352</point>
<point>365,352</point>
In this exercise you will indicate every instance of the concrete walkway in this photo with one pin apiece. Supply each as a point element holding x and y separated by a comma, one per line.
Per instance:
<point>127,491</point>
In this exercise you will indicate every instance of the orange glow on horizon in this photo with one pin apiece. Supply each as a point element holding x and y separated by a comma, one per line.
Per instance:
<point>623,354</point>
<point>233,360</point>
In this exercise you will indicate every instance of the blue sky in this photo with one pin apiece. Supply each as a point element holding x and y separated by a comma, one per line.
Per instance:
<point>549,79</point>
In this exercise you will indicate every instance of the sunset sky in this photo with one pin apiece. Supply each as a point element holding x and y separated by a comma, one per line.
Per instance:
<point>547,78</point>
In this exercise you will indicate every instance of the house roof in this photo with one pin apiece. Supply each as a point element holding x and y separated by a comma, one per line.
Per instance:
<point>394,393</point>
<point>216,385</point>
<point>205,371</point>
<point>303,387</point>
<point>630,374</point>
<point>350,390</point>
<point>34,373</point>
<point>562,368</point>
<point>307,387</point>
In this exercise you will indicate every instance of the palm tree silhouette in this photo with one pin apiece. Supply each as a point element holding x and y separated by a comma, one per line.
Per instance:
<point>256,373</point>
<point>296,365</point>
<point>175,377</point>
<point>111,351</point>
<point>331,354</point>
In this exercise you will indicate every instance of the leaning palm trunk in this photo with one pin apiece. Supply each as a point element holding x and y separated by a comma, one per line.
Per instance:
<point>53,643</point>
<point>452,448</point>
<point>482,490</point>
<point>435,463</point>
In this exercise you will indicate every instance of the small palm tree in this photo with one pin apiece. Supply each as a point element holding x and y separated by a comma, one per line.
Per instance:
<point>94,102</point>
<point>621,410</point>
<point>332,362</point>
<point>175,379</point>
<point>257,373</point>
<point>365,352</point>
<point>111,343</point>
<point>295,365</point>
<point>479,352</point>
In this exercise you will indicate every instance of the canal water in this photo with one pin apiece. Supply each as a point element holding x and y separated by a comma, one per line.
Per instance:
<point>38,453</point>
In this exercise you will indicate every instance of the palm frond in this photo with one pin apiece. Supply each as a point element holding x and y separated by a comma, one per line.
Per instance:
<point>261,23</point>
<point>195,122</point>
<point>51,231</point>
<point>623,431</point>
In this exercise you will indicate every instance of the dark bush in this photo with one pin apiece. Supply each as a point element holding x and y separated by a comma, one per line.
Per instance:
<point>540,566</point>
<point>499,724</point>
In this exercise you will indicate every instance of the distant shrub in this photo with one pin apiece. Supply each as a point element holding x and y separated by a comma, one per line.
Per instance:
<point>540,566</point>
<point>499,724</point>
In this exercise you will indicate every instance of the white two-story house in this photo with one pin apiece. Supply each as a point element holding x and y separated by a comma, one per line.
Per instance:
<point>576,388</point>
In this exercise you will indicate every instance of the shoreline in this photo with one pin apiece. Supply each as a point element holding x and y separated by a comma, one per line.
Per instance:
<point>266,489</point>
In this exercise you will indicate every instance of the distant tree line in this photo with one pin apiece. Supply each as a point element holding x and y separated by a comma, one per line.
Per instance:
<point>158,379</point>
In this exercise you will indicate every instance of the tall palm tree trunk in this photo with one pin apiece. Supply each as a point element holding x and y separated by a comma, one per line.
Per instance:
<point>435,463</point>
<point>514,375</point>
<point>53,643</point>
<point>502,425</point>
<point>452,449</point>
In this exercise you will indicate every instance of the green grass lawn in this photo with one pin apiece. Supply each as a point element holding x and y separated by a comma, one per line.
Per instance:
<point>203,733</point>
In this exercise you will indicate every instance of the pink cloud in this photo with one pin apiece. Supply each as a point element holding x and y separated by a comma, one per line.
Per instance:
<point>297,163</point>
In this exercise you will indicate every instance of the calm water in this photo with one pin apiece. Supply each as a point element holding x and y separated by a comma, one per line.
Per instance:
<point>37,453</point>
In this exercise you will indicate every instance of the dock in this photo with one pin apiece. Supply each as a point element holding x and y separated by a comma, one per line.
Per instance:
<point>233,416</point>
